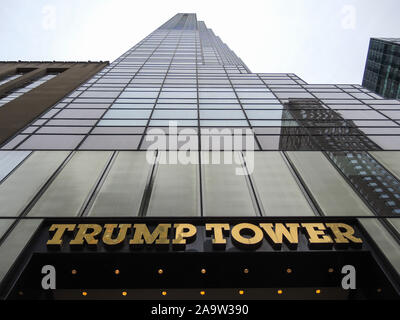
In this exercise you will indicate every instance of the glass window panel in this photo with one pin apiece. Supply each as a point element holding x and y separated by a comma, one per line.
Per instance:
<point>88,106</point>
<point>122,191</point>
<point>259,95</point>
<point>276,187</point>
<point>62,130</point>
<point>49,114</point>
<point>111,142</point>
<point>136,101</point>
<point>80,113</point>
<point>32,175</point>
<point>225,140</point>
<point>175,190</point>
<point>287,95</point>
<point>68,192</point>
<point>215,101</point>
<point>375,130</point>
<point>327,185</point>
<point>118,130</point>
<point>115,114</point>
<point>224,123</point>
<point>132,106</point>
<point>259,101</point>
<point>387,142</point>
<point>219,94</point>
<point>98,100</point>
<point>122,123</point>
<point>332,95</point>
<point>99,94</point>
<point>176,106</point>
<point>271,130</point>
<point>390,160</point>
<point>361,114</point>
<point>269,142</point>
<point>178,94</point>
<point>264,114</point>
<point>267,123</point>
<point>375,123</point>
<point>262,106</point>
<point>219,106</point>
<point>392,114</point>
<point>166,123</point>
<point>48,141</point>
<point>14,142</point>
<point>29,130</point>
<point>190,101</point>
<point>222,114</point>
<point>225,192</point>
<point>9,160</point>
<point>386,101</point>
<point>139,94</point>
<point>174,114</point>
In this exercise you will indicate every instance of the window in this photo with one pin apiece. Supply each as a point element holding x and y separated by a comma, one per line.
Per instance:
<point>10,78</point>
<point>26,88</point>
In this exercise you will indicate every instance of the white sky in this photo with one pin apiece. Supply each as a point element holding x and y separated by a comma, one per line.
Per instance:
<point>322,41</point>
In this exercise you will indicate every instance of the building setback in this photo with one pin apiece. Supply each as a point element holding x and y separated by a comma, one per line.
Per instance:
<point>382,69</point>
<point>308,183</point>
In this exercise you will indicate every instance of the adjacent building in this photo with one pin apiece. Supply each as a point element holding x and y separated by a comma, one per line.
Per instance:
<point>28,89</point>
<point>175,172</point>
<point>382,69</point>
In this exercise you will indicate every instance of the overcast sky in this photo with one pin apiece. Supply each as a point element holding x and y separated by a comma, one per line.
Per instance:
<point>322,41</point>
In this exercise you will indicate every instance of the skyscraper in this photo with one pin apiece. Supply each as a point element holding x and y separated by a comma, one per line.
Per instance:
<point>382,69</point>
<point>307,183</point>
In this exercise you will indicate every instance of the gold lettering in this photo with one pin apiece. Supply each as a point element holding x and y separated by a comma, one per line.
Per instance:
<point>292,235</point>
<point>59,232</point>
<point>143,235</point>
<point>343,236</point>
<point>251,241</point>
<point>217,230</point>
<point>83,234</point>
<point>109,230</point>
<point>183,232</point>
<point>316,234</point>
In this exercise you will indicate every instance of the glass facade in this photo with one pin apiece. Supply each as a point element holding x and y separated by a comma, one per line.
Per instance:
<point>382,70</point>
<point>188,75</point>
<point>319,150</point>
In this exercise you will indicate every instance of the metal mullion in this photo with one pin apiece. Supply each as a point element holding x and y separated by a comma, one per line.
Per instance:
<point>199,129</point>
<point>91,197</point>
<point>259,208</point>
<point>302,185</point>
